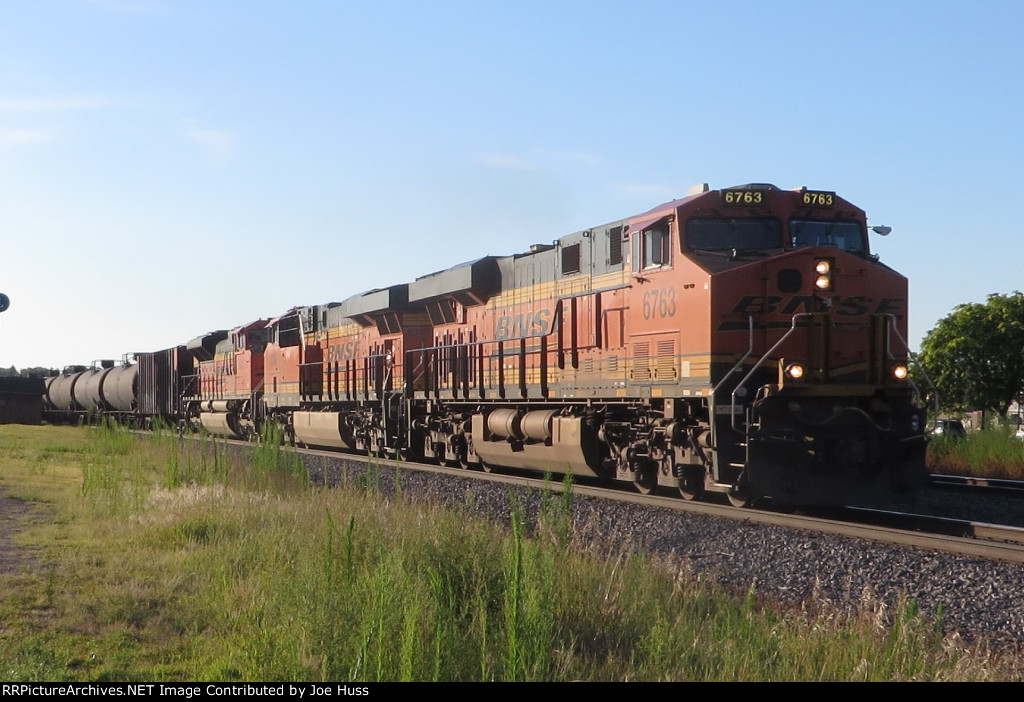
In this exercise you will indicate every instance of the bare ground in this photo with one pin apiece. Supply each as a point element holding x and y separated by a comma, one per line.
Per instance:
<point>13,515</point>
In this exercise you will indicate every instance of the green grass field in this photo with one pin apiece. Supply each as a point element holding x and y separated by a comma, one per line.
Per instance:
<point>160,559</point>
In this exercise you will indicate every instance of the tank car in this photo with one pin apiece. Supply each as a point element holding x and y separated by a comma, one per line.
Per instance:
<point>103,389</point>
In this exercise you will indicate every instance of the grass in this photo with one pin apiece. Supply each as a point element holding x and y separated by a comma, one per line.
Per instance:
<point>161,559</point>
<point>989,453</point>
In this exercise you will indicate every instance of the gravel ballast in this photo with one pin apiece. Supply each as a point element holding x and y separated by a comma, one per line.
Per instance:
<point>975,599</point>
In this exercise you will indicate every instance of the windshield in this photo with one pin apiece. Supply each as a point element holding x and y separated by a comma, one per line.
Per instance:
<point>847,236</point>
<point>728,234</point>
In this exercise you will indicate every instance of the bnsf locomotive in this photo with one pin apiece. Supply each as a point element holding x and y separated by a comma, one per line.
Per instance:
<point>742,341</point>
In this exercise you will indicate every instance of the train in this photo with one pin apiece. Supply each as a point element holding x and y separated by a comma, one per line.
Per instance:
<point>743,342</point>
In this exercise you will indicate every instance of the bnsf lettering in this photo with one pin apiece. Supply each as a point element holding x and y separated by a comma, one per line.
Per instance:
<point>524,324</point>
<point>855,305</point>
<point>844,306</point>
<point>756,304</point>
<point>890,305</point>
<point>343,352</point>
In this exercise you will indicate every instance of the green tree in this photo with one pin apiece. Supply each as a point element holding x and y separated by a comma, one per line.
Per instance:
<point>975,355</point>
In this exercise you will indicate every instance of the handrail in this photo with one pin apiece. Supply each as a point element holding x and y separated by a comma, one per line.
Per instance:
<point>734,369</point>
<point>378,360</point>
<point>913,357</point>
<point>540,352</point>
<point>760,362</point>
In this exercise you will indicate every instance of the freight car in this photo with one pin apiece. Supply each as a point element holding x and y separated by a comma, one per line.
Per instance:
<point>102,389</point>
<point>743,341</point>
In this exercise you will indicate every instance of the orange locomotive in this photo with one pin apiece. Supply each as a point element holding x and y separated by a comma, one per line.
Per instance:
<point>742,341</point>
<point>223,395</point>
<point>332,378</point>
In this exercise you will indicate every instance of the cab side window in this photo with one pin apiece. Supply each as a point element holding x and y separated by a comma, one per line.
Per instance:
<point>655,250</point>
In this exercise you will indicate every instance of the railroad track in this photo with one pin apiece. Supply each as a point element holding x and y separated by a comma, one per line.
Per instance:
<point>931,532</point>
<point>996,485</point>
<point>966,537</point>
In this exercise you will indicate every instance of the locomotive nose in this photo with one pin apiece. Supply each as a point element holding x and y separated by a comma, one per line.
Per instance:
<point>848,453</point>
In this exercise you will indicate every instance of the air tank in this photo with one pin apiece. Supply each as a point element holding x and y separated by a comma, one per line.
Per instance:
<point>536,425</point>
<point>323,429</point>
<point>504,423</point>
<point>221,424</point>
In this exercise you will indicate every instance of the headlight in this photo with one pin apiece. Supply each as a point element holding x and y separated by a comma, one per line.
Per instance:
<point>823,267</point>
<point>795,371</point>
<point>900,372</point>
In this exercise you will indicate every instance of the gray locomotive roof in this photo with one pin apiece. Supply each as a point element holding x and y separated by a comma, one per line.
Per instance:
<point>477,280</point>
<point>466,282</point>
<point>203,347</point>
<point>380,300</point>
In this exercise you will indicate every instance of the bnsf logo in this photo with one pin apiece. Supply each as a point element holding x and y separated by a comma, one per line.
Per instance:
<point>343,352</point>
<point>524,324</point>
<point>846,306</point>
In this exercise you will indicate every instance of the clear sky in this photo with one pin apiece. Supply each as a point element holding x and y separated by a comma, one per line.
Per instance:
<point>171,167</point>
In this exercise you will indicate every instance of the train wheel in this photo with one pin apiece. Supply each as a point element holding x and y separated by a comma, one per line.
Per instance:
<point>486,467</point>
<point>458,460</point>
<point>692,486</point>
<point>739,496</point>
<point>645,482</point>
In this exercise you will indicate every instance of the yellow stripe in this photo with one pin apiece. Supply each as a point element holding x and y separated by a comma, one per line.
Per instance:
<point>554,289</point>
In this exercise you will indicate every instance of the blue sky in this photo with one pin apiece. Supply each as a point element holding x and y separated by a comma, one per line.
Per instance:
<point>172,167</point>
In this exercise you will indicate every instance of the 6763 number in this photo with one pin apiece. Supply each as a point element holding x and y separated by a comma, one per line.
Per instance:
<point>659,303</point>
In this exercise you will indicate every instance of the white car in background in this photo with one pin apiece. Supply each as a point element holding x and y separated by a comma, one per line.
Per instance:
<point>952,428</point>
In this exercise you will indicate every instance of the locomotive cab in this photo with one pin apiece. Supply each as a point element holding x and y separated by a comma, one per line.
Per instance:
<point>224,396</point>
<point>818,409</point>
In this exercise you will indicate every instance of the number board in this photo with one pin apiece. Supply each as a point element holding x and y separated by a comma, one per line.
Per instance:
<point>744,197</point>
<point>818,198</point>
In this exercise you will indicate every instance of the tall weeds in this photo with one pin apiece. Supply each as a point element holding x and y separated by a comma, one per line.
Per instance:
<point>990,453</point>
<point>190,561</point>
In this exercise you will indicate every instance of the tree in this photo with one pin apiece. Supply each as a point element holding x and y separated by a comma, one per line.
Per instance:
<point>975,356</point>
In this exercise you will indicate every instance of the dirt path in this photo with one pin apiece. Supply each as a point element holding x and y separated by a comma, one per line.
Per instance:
<point>12,519</point>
